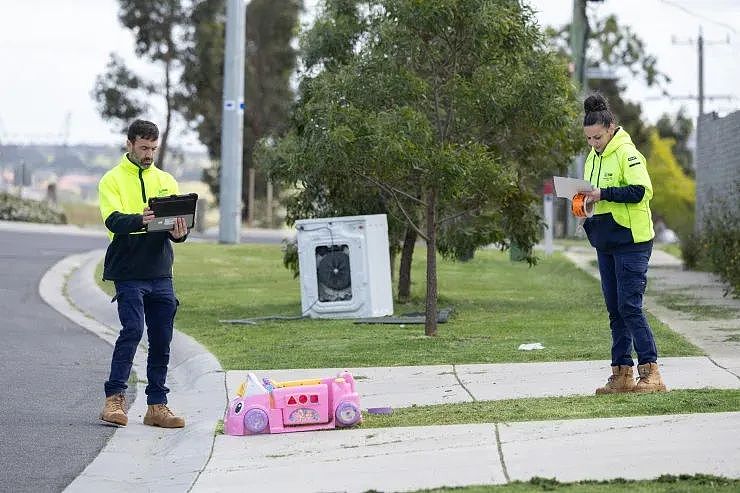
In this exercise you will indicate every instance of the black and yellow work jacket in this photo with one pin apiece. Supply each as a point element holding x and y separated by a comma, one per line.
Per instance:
<point>134,253</point>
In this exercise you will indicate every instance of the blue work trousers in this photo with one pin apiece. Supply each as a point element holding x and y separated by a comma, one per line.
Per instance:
<point>623,282</point>
<point>151,302</point>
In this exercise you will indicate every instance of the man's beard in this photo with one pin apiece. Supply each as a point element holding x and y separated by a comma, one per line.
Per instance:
<point>139,162</point>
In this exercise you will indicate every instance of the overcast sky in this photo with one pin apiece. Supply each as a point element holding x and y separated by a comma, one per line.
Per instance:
<point>51,52</point>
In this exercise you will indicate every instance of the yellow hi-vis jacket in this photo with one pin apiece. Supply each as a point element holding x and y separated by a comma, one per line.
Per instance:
<point>622,216</point>
<point>133,253</point>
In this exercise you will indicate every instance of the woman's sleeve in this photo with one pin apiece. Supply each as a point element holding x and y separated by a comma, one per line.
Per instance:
<point>634,166</point>
<point>637,185</point>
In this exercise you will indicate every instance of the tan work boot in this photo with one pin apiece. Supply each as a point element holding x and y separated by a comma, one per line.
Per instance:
<point>620,381</point>
<point>160,415</point>
<point>649,379</point>
<point>114,411</point>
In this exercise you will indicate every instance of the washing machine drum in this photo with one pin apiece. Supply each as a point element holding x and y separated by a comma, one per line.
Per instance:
<point>333,270</point>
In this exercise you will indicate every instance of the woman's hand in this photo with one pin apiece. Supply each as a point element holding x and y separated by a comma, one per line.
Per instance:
<point>594,195</point>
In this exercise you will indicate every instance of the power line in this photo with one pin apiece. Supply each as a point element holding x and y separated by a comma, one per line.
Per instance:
<point>700,42</point>
<point>699,16</point>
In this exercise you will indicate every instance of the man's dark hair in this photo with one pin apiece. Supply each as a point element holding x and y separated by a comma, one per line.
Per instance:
<point>142,129</point>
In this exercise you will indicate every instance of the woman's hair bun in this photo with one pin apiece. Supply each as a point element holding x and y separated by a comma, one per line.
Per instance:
<point>595,102</point>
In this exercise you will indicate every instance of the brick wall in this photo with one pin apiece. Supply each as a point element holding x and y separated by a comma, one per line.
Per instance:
<point>717,162</point>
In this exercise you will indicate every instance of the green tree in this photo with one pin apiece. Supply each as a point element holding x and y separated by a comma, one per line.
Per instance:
<point>617,46</point>
<point>327,45</point>
<point>674,192</point>
<point>679,128</point>
<point>122,95</point>
<point>614,47</point>
<point>270,62</point>
<point>451,109</point>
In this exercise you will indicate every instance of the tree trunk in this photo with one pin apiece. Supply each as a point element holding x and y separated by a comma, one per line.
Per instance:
<point>392,255</point>
<point>268,205</point>
<point>430,325</point>
<point>168,117</point>
<point>404,269</point>
<point>250,196</point>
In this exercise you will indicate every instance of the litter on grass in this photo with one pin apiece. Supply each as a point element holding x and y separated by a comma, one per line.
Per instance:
<point>531,346</point>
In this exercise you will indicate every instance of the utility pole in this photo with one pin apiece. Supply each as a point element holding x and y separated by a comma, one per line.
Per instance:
<point>232,124</point>
<point>578,37</point>
<point>700,47</point>
<point>578,42</point>
<point>700,97</point>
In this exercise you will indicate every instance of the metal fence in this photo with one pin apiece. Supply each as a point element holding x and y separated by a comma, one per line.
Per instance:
<point>717,163</point>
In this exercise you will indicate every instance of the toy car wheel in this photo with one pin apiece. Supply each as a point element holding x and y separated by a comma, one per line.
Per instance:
<point>347,414</point>
<point>255,420</point>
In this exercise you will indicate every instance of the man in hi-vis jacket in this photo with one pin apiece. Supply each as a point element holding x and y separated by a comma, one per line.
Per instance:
<point>140,265</point>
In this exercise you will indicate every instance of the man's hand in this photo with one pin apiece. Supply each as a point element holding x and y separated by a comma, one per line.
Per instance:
<point>147,215</point>
<point>180,229</point>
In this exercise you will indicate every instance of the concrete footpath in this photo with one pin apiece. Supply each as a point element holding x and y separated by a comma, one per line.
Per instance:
<point>140,458</point>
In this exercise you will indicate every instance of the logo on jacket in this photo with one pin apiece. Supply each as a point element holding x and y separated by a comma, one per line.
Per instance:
<point>163,191</point>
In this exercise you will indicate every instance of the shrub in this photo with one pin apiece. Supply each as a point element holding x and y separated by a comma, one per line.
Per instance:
<point>721,240</point>
<point>716,246</point>
<point>691,251</point>
<point>14,208</point>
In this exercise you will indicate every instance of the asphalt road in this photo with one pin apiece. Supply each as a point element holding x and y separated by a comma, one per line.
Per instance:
<point>51,371</point>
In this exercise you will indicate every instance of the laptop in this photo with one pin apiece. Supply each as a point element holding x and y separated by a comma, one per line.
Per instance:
<point>168,209</point>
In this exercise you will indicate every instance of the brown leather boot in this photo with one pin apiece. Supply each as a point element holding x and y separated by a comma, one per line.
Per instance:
<point>649,379</point>
<point>114,411</point>
<point>160,415</point>
<point>620,381</point>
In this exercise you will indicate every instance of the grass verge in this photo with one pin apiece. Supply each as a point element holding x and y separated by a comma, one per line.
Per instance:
<point>550,408</point>
<point>498,305</point>
<point>671,249</point>
<point>690,305</point>
<point>575,407</point>
<point>664,484</point>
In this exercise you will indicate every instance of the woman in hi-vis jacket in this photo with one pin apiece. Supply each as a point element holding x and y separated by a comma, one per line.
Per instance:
<point>621,231</point>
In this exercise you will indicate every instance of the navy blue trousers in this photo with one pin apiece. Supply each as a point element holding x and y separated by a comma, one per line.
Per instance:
<point>623,282</point>
<point>152,303</point>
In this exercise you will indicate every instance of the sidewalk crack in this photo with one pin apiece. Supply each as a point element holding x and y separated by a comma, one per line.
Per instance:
<point>720,366</point>
<point>457,377</point>
<point>501,454</point>
<point>213,442</point>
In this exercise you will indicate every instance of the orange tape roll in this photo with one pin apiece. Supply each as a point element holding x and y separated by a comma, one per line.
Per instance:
<point>581,206</point>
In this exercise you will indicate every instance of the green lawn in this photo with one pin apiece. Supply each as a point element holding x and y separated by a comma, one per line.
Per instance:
<point>498,304</point>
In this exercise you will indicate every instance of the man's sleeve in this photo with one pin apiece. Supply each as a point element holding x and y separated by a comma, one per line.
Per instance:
<point>110,207</point>
<point>174,186</point>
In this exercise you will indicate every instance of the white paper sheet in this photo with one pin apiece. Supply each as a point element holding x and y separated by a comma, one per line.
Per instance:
<point>567,187</point>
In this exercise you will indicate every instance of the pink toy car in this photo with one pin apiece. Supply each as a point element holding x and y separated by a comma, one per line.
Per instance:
<point>299,405</point>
